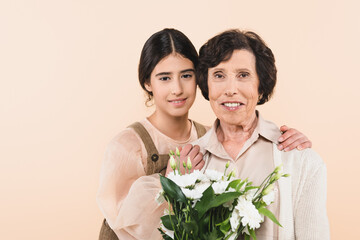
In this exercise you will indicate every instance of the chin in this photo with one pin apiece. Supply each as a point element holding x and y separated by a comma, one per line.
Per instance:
<point>181,113</point>
<point>231,120</point>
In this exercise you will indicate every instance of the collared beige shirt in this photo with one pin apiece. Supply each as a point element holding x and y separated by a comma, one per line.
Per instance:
<point>254,161</point>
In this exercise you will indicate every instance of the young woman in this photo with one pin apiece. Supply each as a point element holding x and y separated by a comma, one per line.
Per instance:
<point>167,73</point>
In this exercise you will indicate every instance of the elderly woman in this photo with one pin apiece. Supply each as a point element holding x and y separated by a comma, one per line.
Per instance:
<point>237,72</point>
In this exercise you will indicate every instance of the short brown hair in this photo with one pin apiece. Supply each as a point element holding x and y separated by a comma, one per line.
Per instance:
<point>221,47</point>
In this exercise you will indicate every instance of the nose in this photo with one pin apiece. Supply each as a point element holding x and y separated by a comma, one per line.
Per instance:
<point>231,88</point>
<point>177,88</point>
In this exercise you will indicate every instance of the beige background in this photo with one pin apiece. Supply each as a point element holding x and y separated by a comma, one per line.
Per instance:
<point>68,84</point>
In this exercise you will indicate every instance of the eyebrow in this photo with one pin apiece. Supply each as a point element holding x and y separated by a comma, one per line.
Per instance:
<point>168,73</point>
<point>237,70</point>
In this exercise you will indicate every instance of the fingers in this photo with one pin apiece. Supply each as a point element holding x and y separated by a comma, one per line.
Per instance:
<point>291,139</point>
<point>180,149</point>
<point>185,150</point>
<point>198,161</point>
<point>192,152</point>
<point>284,128</point>
<point>306,144</point>
<point>287,134</point>
<point>200,165</point>
<point>189,151</point>
<point>293,142</point>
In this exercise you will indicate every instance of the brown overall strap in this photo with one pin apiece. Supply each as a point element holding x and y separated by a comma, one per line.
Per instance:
<point>156,163</point>
<point>145,137</point>
<point>200,129</point>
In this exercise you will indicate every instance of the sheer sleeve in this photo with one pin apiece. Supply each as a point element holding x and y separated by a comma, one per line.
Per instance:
<point>126,196</point>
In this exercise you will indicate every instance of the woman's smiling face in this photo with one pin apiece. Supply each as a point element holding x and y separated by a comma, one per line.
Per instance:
<point>233,88</point>
<point>173,85</point>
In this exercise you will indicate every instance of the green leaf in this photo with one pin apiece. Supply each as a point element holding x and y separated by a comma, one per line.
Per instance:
<point>225,226</point>
<point>167,220</point>
<point>246,237</point>
<point>250,187</point>
<point>210,200</point>
<point>252,233</point>
<point>269,214</point>
<point>236,184</point>
<point>191,228</point>
<point>173,190</point>
<point>211,236</point>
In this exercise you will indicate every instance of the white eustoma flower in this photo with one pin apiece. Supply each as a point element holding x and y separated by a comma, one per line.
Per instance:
<point>250,215</point>
<point>171,175</point>
<point>198,175</point>
<point>232,237</point>
<point>168,232</point>
<point>159,198</point>
<point>213,175</point>
<point>185,180</point>
<point>202,186</point>
<point>220,187</point>
<point>192,194</point>
<point>235,220</point>
<point>269,198</point>
<point>246,230</point>
<point>229,205</point>
<point>250,194</point>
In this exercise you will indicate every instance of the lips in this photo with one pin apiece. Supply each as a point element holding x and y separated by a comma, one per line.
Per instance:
<point>233,105</point>
<point>178,101</point>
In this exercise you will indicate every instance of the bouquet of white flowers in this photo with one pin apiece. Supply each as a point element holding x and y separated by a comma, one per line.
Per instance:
<point>213,205</point>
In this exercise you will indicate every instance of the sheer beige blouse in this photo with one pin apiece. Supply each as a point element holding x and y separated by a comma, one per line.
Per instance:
<point>126,196</point>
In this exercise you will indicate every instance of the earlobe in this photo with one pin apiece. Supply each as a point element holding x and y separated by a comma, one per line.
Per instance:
<point>148,87</point>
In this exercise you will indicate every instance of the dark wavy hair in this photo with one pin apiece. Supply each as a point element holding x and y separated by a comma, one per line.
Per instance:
<point>160,45</point>
<point>221,47</point>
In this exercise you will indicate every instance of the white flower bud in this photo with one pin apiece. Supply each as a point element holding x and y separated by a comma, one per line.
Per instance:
<point>177,152</point>
<point>172,162</point>
<point>189,165</point>
<point>279,168</point>
<point>267,190</point>
<point>227,164</point>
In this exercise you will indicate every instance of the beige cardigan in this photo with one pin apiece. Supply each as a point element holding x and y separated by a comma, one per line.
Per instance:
<point>302,195</point>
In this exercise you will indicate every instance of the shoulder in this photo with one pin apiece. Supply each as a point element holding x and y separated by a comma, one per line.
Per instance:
<point>306,163</point>
<point>126,141</point>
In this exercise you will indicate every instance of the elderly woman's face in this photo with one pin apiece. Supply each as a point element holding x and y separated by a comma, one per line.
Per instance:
<point>233,88</point>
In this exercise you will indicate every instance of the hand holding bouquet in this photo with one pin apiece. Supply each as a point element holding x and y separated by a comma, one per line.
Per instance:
<point>213,205</point>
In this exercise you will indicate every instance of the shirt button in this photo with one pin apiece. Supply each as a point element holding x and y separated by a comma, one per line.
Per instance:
<point>154,157</point>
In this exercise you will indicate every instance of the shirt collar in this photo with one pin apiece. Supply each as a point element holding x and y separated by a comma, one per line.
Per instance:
<point>265,129</point>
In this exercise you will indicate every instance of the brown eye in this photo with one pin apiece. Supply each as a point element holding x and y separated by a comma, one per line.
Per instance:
<point>188,75</point>
<point>244,74</point>
<point>164,78</point>
<point>218,75</point>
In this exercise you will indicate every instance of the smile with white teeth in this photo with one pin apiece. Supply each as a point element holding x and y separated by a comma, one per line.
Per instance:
<point>177,101</point>
<point>232,104</point>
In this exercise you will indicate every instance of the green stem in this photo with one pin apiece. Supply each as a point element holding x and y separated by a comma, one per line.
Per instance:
<point>266,179</point>
<point>172,224</point>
